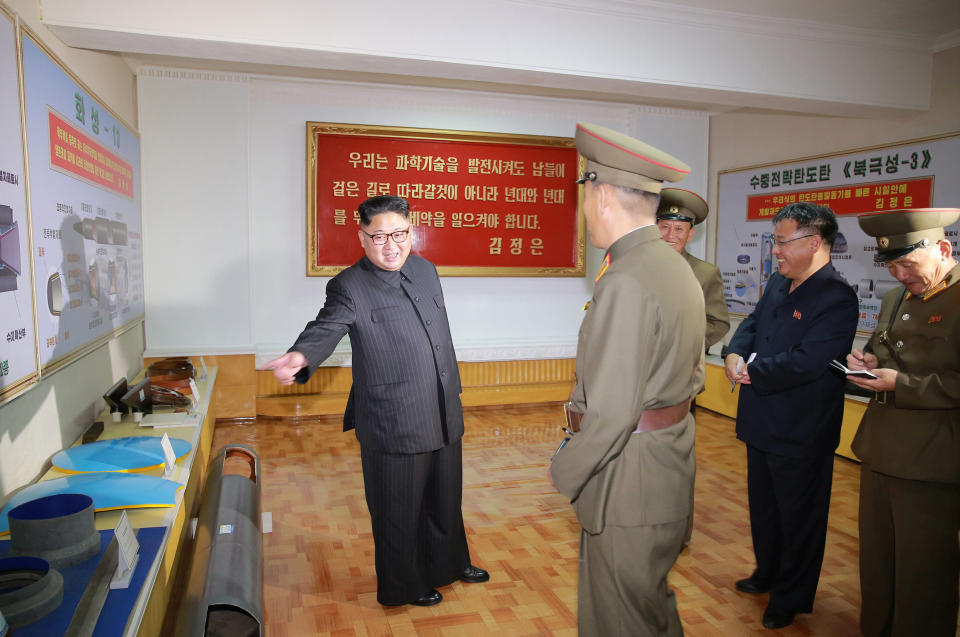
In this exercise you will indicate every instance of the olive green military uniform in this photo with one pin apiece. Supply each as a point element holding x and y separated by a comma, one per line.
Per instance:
<point>718,319</point>
<point>678,204</point>
<point>629,471</point>
<point>640,348</point>
<point>909,446</point>
<point>910,477</point>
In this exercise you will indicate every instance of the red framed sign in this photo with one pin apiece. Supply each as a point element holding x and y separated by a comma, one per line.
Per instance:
<point>481,204</point>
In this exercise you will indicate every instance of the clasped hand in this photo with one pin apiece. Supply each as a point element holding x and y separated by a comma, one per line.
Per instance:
<point>731,362</point>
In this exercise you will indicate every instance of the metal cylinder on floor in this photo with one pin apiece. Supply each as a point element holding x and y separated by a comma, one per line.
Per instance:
<point>224,594</point>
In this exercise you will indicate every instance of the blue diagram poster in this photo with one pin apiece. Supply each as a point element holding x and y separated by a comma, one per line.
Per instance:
<point>18,356</point>
<point>84,168</point>
<point>907,175</point>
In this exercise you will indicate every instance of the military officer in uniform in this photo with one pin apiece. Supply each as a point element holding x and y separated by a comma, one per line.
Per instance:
<point>909,439</point>
<point>680,210</point>
<point>629,471</point>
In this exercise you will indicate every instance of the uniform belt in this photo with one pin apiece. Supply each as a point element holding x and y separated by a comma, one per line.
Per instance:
<point>653,419</point>
<point>884,397</point>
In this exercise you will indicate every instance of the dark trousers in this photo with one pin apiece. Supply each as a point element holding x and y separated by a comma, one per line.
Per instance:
<point>418,535</point>
<point>789,502</point>
<point>909,557</point>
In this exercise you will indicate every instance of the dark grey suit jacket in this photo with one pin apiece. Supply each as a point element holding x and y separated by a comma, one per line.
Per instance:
<point>405,396</point>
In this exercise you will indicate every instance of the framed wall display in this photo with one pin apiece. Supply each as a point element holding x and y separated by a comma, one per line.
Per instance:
<point>482,204</point>
<point>916,174</point>
<point>18,353</point>
<point>84,168</point>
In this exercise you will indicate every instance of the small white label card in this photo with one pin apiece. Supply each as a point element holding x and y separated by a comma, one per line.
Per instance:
<point>128,554</point>
<point>195,393</point>
<point>169,457</point>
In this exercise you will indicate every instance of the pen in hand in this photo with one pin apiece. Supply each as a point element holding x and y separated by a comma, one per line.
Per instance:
<point>740,367</point>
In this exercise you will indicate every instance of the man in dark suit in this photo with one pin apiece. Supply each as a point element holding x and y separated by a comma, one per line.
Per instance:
<point>791,407</point>
<point>404,404</point>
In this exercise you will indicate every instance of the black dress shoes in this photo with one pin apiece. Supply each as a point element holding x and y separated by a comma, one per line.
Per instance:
<point>774,618</point>
<point>750,585</point>
<point>431,598</point>
<point>474,575</point>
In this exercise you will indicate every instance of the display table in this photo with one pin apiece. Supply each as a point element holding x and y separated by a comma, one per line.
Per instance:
<point>150,606</point>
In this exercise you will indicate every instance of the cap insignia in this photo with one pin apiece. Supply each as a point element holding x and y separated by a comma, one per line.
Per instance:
<point>883,242</point>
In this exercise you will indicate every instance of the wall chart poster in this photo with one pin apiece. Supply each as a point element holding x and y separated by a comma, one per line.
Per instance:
<point>85,209</point>
<point>18,356</point>
<point>923,173</point>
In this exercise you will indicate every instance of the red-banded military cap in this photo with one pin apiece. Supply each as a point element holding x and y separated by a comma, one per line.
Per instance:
<point>677,204</point>
<point>900,232</point>
<point>620,160</point>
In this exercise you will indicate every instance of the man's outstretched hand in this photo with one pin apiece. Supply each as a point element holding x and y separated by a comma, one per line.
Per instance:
<point>287,366</point>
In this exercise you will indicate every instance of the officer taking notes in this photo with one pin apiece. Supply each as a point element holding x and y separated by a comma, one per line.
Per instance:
<point>909,439</point>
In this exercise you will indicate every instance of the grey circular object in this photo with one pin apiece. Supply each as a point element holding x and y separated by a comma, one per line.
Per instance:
<point>29,589</point>
<point>57,528</point>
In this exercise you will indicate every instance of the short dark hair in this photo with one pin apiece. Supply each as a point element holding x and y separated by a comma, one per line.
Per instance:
<point>380,204</point>
<point>628,195</point>
<point>811,217</point>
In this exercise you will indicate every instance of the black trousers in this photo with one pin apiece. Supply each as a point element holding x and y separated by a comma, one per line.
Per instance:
<point>418,535</point>
<point>789,501</point>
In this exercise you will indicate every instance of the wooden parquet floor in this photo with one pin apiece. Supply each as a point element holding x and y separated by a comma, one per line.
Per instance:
<point>318,561</point>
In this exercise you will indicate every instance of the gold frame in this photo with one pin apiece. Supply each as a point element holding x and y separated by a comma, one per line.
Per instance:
<point>404,132</point>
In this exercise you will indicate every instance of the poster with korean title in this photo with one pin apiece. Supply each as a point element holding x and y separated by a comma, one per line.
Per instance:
<point>481,204</point>
<point>18,355</point>
<point>85,208</point>
<point>917,174</point>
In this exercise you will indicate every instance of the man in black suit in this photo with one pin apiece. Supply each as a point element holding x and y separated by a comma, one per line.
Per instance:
<point>791,407</point>
<point>404,404</point>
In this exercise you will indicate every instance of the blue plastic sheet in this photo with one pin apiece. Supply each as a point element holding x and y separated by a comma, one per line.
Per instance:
<point>108,490</point>
<point>134,453</point>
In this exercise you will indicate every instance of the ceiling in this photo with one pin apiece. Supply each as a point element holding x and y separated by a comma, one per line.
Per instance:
<point>827,57</point>
<point>933,19</point>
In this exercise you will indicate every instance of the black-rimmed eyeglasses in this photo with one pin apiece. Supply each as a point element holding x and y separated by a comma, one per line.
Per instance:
<point>781,243</point>
<point>380,238</point>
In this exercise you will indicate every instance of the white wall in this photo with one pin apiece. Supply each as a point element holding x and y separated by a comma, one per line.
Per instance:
<point>52,414</point>
<point>241,192</point>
